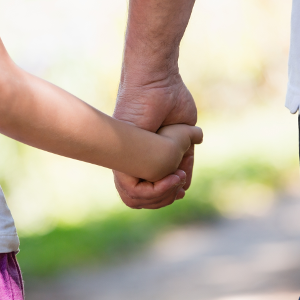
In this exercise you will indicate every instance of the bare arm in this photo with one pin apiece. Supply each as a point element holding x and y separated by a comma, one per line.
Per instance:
<point>42,115</point>
<point>154,31</point>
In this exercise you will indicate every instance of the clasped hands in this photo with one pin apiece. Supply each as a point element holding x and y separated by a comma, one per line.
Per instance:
<point>151,106</point>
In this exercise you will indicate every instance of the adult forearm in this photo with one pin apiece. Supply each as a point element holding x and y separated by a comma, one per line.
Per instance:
<point>154,31</point>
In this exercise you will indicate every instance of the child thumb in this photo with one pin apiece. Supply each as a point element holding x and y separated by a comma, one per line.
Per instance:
<point>197,135</point>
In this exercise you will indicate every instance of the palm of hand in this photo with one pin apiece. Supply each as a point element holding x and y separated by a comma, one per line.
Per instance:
<point>150,107</point>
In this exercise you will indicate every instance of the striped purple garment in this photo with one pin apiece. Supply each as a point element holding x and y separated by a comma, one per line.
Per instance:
<point>11,283</point>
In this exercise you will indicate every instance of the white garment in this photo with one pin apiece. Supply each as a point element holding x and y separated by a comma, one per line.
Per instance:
<point>9,240</point>
<point>293,91</point>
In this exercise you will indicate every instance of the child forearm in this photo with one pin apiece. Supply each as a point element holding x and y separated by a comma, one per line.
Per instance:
<point>44,116</point>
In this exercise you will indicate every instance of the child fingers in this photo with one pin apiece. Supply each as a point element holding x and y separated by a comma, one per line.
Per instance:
<point>197,135</point>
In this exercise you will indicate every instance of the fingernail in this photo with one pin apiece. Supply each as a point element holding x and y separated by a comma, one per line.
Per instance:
<point>180,183</point>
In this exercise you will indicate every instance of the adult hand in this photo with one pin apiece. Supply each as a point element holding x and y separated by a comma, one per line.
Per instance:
<point>150,105</point>
<point>152,93</point>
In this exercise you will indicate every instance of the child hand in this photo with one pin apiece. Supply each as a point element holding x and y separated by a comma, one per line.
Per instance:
<point>181,138</point>
<point>182,135</point>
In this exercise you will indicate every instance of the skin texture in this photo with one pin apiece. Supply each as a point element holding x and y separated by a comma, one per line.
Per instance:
<point>152,93</point>
<point>42,115</point>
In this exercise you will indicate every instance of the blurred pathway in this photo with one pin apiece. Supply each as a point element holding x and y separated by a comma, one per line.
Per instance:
<point>246,259</point>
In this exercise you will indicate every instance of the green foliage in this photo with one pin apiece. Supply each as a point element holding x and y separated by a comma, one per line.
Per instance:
<point>124,232</point>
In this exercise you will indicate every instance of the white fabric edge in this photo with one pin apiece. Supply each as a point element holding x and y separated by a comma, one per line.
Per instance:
<point>9,240</point>
<point>9,243</point>
<point>292,100</point>
<point>293,88</point>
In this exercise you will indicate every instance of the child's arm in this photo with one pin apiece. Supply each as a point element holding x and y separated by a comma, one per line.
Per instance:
<point>44,116</point>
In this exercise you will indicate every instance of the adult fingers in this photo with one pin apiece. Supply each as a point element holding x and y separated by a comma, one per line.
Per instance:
<point>177,194</point>
<point>187,162</point>
<point>187,165</point>
<point>136,194</point>
<point>137,189</point>
<point>180,194</point>
<point>166,200</point>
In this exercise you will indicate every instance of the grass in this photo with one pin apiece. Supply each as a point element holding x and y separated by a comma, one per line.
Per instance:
<point>125,232</point>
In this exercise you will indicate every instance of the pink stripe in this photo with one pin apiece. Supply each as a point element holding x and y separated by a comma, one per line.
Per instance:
<point>11,283</point>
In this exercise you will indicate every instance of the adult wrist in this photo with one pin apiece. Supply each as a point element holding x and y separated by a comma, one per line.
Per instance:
<point>144,65</point>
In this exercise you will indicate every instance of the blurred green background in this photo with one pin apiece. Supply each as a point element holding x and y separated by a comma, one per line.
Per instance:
<point>233,59</point>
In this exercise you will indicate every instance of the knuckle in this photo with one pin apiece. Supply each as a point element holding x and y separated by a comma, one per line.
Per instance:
<point>131,194</point>
<point>130,204</point>
<point>124,191</point>
<point>127,199</point>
